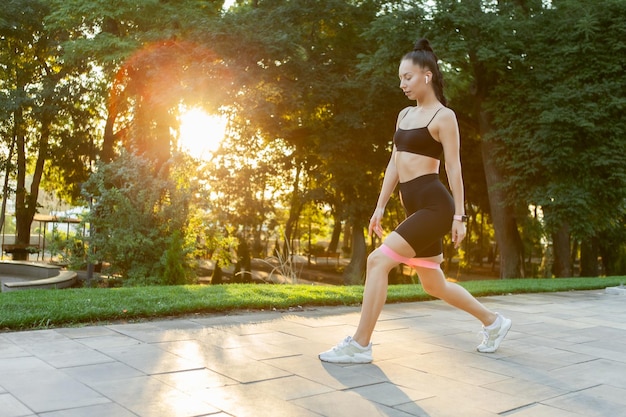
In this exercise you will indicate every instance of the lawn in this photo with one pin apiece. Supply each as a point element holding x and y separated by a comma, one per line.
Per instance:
<point>37,309</point>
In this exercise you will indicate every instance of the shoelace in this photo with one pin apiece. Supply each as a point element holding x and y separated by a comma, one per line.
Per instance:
<point>345,342</point>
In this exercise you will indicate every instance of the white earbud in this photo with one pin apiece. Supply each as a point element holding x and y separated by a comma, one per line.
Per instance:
<point>426,79</point>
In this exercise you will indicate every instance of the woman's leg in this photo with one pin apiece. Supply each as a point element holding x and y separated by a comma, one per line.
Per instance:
<point>434,283</point>
<point>357,349</point>
<point>376,282</point>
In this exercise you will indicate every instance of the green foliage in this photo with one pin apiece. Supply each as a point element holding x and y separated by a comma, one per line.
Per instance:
<point>140,220</point>
<point>175,271</point>
<point>559,115</point>
<point>312,95</point>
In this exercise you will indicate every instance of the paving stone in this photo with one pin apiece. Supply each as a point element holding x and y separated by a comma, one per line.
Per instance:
<point>147,396</point>
<point>349,404</point>
<point>12,407</point>
<point>597,401</point>
<point>100,410</point>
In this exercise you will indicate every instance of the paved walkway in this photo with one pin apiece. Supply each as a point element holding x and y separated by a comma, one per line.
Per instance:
<point>564,357</point>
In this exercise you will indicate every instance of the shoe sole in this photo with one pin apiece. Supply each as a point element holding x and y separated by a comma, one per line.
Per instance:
<point>500,338</point>
<point>345,359</point>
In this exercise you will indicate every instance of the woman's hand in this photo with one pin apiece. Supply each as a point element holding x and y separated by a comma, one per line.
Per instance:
<point>458,233</point>
<point>375,222</point>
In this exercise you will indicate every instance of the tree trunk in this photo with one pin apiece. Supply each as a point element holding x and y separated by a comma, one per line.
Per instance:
<point>22,222</point>
<point>26,202</point>
<point>5,187</point>
<point>355,271</point>
<point>108,142</point>
<point>294,213</point>
<point>561,245</point>
<point>347,237</point>
<point>502,215</point>
<point>589,250</point>
<point>334,240</point>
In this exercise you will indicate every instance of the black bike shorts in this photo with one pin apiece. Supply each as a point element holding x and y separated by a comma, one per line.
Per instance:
<point>429,209</point>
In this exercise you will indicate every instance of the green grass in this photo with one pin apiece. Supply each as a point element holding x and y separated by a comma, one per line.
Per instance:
<point>37,309</point>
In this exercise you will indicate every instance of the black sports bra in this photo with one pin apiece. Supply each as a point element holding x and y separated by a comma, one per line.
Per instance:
<point>418,141</point>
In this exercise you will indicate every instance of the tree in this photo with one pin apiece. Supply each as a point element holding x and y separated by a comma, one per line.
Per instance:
<point>296,86</point>
<point>48,106</point>
<point>144,229</point>
<point>484,40</point>
<point>559,114</point>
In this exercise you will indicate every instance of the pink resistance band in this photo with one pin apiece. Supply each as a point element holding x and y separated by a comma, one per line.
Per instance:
<point>409,261</point>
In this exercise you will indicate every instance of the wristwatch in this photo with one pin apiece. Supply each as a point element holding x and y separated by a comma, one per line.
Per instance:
<point>460,217</point>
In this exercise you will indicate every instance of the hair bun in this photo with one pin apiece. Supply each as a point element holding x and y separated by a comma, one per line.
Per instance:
<point>423,45</point>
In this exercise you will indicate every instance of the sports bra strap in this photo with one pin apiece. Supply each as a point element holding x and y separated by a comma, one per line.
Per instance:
<point>435,115</point>
<point>408,109</point>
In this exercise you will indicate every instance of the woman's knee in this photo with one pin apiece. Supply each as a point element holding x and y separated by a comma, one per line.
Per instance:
<point>378,260</point>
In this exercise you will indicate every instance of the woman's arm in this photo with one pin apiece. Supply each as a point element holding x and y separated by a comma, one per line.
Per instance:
<point>450,139</point>
<point>389,184</point>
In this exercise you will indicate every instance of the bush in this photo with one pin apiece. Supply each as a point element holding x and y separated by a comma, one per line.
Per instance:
<point>140,220</point>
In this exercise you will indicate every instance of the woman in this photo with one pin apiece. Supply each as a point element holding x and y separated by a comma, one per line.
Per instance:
<point>422,134</point>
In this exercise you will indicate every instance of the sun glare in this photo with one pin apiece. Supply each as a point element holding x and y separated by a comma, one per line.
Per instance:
<point>201,133</point>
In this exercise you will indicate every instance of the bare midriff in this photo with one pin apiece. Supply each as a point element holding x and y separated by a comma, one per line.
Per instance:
<point>410,165</point>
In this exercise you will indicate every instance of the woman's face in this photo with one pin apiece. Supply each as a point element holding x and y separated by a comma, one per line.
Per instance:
<point>413,79</point>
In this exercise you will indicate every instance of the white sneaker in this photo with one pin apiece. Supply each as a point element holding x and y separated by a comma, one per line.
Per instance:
<point>348,351</point>
<point>493,337</point>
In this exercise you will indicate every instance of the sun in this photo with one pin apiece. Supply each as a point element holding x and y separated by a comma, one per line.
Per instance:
<point>201,133</point>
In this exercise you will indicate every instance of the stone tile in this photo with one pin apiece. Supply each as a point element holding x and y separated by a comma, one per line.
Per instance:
<point>163,331</point>
<point>108,341</point>
<point>243,401</point>
<point>389,394</point>
<point>34,337</point>
<point>100,410</point>
<point>335,376</point>
<point>76,358</point>
<point>454,391</point>
<point>541,410</point>
<point>290,388</point>
<point>598,352</point>
<point>269,338</point>
<point>447,406</point>
<point>87,331</point>
<point>453,365</point>
<point>223,339</point>
<point>92,374</point>
<point>598,401</point>
<point>346,317</point>
<point>8,349</point>
<point>261,350</point>
<point>243,329</point>
<point>588,374</point>
<point>44,390</point>
<point>147,396</point>
<point>233,319</point>
<point>195,380</point>
<point>398,351</point>
<point>529,391</point>
<point>348,404</point>
<point>308,348</point>
<point>12,407</point>
<point>149,359</point>
<point>66,353</point>
<point>247,370</point>
<point>22,365</point>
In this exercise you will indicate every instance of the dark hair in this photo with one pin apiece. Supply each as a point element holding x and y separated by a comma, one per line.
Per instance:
<point>423,55</point>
